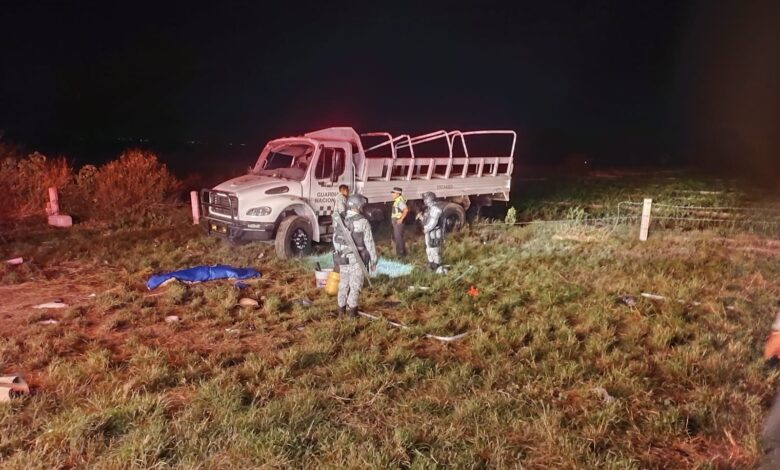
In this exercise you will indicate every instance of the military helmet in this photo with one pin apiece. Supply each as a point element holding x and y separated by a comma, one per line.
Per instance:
<point>356,202</point>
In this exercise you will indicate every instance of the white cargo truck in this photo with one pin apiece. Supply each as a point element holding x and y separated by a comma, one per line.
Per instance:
<point>288,195</point>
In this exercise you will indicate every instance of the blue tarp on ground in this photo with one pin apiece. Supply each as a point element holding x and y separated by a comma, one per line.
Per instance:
<point>202,273</point>
<point>384,266</point>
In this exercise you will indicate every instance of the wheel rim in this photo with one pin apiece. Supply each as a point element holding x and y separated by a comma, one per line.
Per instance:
<point>299,241</point>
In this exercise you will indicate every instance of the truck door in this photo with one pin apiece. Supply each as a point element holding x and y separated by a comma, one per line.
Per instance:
<point>332,168</point>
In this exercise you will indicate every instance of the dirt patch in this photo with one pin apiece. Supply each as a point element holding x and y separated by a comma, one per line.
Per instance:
<point>86,325</point>
<point>71,284</point>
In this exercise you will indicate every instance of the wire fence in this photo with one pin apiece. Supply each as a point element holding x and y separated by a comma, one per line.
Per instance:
<point>753,219</point>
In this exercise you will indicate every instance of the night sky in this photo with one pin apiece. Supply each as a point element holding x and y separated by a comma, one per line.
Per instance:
<point>623,81</point>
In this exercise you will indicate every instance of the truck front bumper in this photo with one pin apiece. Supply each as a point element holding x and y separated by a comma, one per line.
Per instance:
<point>239,231</point>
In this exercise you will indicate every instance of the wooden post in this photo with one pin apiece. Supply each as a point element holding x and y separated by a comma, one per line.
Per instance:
<point>54,202</point>
<point>195,207</point>
<point>53,210</point>
<point>645,226</point>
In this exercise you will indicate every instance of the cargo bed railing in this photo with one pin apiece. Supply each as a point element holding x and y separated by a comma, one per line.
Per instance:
<point>405,168</point>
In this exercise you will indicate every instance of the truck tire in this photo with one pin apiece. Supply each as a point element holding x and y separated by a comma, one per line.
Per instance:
<point>454,217</point>
<point>293,238</point>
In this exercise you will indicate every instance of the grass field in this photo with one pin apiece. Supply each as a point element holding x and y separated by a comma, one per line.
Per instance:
<point>554,373</point>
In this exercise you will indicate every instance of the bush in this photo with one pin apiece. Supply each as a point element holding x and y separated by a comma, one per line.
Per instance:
<point>24,182</point>
<point>130,187</point>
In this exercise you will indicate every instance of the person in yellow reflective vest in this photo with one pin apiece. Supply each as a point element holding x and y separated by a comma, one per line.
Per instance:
<point>397,217</point>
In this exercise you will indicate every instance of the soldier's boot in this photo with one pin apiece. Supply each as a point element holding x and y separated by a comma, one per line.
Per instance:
<point>433,266</point>
<point>352,312</point>
<point>342,311</point>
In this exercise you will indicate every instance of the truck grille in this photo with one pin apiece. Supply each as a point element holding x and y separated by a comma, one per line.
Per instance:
<point>222,204</point>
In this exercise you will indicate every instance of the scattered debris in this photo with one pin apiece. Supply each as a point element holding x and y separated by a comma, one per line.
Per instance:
<point>201,274</point>
<point>661,297</point>
<point>51,305</point>
<point>629,300</point>
<point>15,261</point>
<point>172,319</point>
<point>247,302</point>
<point>653,296</point>
<point>304,302</point>
<point>11,386</point>
<point>469,269</point>
<point>232,330</point>
<point>446,339</point>
<point>240,285</point>
<point>416,288</point>
<point>391,303</point>
<point>49,321</point>
<point>91,296</point>
<point>472,292</point>
<point>602,392</point>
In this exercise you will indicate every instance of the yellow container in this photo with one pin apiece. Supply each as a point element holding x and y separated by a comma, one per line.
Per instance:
<point>332,284</point>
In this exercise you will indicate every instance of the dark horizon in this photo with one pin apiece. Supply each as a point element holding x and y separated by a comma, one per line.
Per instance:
<point>625,83</point>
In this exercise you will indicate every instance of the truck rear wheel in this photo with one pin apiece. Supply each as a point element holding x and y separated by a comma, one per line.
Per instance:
<point>293,239</point>
<point>454,217</point>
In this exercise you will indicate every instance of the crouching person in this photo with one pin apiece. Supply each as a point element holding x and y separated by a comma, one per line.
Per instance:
<point>434,235</point>
<point>351,273</point>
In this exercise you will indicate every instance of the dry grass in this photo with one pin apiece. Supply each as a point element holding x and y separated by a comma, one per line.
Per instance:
<point>290,385</point>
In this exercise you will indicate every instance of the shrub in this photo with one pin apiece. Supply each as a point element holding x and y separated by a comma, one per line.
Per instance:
<point>128,188</point>
<point>24,182</point>
<point>511,216</point>
<point>79,198</point>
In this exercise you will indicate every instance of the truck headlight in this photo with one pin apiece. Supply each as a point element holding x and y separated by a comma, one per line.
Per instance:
<point>264,210</point>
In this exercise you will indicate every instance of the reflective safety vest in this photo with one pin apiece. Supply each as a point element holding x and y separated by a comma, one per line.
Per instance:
<point>399,204</point>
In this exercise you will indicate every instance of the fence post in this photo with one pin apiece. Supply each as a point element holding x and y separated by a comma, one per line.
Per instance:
<point>195,207</point>
<point>645,226</point>
<point>53,210</point>
<point>54,202</point>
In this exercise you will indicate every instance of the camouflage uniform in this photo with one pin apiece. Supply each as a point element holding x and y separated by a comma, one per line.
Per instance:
<point>339,210</point>
<point>352,276</point>
<point>433,235</point>
<point>340,205</point>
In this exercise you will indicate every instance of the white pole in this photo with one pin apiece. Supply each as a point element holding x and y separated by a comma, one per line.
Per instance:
<point>53,208</point>
<point>645,226</point>
<point>54,203</point>
<point>195,207</point>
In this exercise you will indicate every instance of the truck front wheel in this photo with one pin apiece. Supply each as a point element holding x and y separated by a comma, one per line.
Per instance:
<point>454,217</point>
<point>293,239</point>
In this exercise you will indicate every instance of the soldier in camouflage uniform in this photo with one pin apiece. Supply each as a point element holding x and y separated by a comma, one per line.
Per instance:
<point>432,228</point>
<point>352,277</point>
<point>340,210</point>
<point>340,205</point>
